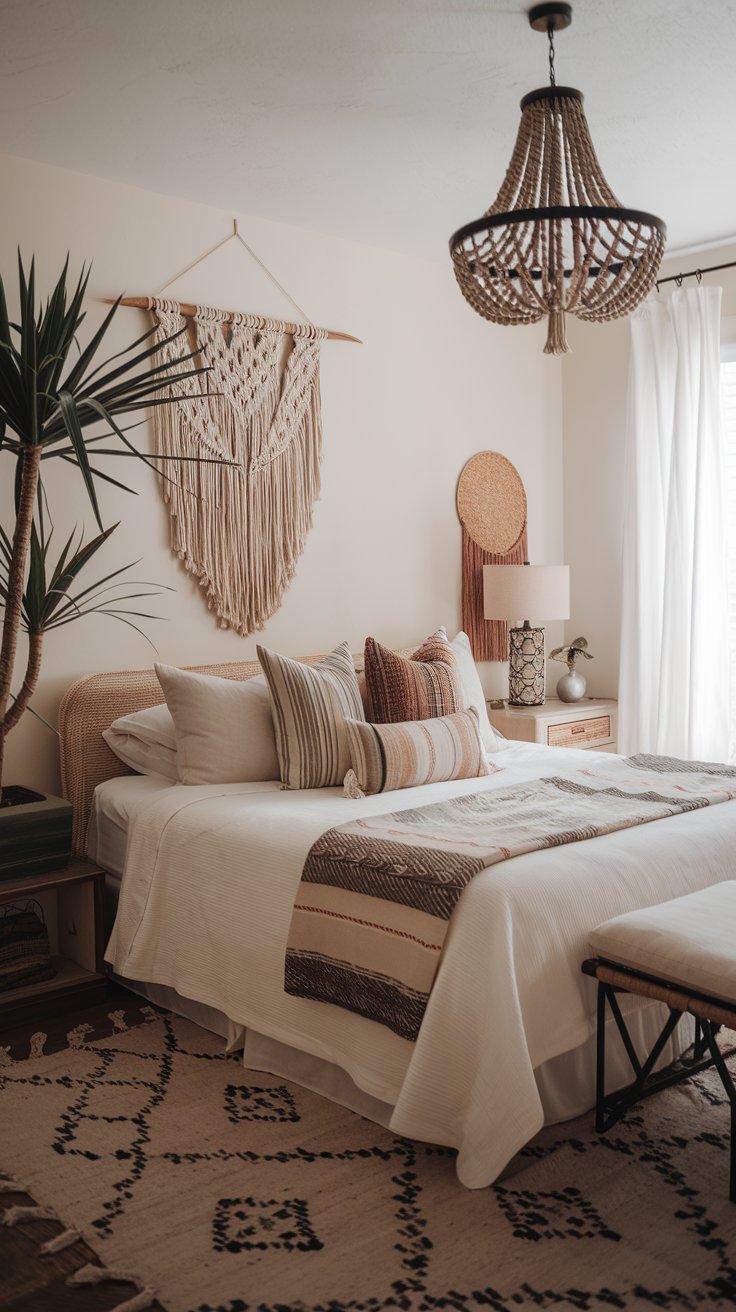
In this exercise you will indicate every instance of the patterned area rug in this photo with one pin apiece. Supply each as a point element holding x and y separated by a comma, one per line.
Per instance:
<point>225,1189</point>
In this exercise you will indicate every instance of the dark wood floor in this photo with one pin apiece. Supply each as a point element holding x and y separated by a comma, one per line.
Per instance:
<point>57,1028</point>
<point>29,1280</point>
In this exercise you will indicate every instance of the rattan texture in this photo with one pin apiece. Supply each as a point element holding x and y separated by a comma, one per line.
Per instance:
<point>92,703</point>
<point>676,997</point>
<point>491,502</point>
<point>492,508</point>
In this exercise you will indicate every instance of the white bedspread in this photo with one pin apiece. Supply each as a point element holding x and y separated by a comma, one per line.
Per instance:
<point>206,903</point>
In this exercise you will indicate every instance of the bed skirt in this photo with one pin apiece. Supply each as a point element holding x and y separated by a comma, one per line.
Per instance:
<point>566,1084</point>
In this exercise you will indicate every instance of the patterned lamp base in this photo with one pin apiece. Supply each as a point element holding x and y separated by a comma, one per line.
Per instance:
<point>526,667</point>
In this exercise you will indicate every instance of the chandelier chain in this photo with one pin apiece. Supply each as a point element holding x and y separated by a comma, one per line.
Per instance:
<point>551,38</point>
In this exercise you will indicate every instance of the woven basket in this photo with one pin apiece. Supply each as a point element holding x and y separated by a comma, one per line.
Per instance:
<point>25,951</point>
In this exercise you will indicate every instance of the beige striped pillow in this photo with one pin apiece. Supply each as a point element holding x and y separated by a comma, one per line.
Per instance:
<point>309,706</point>
<point>389,756</point>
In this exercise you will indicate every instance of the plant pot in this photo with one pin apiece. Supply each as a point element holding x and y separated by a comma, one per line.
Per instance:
<point>571,686</point>
<point>35,833</point>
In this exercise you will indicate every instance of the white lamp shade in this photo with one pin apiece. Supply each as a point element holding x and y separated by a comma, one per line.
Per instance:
<point>526,592</point>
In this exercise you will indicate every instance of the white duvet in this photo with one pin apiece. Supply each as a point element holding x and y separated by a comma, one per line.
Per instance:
<point>206,902</point>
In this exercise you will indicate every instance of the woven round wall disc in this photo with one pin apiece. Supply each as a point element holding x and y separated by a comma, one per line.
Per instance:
<point>491,502</point>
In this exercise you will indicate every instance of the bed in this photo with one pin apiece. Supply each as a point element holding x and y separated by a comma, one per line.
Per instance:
<point>206,891</point>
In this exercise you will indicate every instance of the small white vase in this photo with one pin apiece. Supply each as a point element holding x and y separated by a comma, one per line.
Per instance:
<point>571,686</point>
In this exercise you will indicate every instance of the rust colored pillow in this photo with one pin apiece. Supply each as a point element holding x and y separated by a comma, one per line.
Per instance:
<point>421,687</point>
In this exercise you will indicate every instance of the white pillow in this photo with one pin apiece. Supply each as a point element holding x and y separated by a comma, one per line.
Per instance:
<point>224,730</point>
<point>143,757</point>
<point>473,694</point>
<point>154,725</point>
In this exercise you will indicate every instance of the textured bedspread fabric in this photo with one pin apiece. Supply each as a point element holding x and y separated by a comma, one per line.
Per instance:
<point>210,881</point>
<point>376,894</point>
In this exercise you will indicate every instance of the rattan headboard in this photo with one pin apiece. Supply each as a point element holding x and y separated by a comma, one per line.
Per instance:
<point>91,705</point>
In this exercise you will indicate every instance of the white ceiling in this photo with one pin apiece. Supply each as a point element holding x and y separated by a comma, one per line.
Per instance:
<point>390,121</point>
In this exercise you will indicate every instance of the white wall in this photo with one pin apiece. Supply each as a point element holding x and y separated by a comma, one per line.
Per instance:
<point>595,383</point>
<point>431,385</point>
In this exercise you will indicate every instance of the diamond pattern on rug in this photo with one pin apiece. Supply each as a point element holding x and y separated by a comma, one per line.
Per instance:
<point>227,1193</point>
<point>245,1102</point>
<point>242,1224</point>
<point>555,1214</point>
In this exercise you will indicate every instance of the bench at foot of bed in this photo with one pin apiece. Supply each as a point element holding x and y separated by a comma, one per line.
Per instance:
<point>681,953</point>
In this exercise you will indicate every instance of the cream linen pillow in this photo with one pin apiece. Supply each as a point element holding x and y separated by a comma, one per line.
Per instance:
<point>143,757</point>
<point>224,732</point>
<point>389,756</point>
<point>145,741</point>
<point>153,725</point>
<point>472,692</point>
<point>309,705</point>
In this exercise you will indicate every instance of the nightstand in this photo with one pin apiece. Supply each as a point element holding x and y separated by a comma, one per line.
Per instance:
<point>589,724</point>
<point>72,900</point>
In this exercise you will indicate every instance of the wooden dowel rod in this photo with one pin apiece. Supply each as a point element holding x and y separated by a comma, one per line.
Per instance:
<point>185,308</point>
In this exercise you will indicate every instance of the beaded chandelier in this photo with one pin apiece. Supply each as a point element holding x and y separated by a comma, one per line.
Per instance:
<point>556,240</point>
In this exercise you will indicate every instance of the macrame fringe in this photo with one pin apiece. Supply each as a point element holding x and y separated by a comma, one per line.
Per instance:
<point>37,1044</point>
<point>88,1274</point>
<point>556,343</point>
<point>100,1275</point>
<point>241,502</point>
<point>15,1215</point>
<point>489,639</point>
<point>85,1275</point>
<point>63,1240</point>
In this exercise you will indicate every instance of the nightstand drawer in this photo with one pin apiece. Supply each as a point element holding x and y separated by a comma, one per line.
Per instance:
<point>579,733</point>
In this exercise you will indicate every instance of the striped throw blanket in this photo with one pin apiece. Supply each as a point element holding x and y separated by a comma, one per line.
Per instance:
<point>376,894</point>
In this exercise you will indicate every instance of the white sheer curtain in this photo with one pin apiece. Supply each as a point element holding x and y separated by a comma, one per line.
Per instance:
<point>674,682</point>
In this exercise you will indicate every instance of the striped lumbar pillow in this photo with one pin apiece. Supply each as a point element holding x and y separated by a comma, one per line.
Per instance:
<point>389,756</point>
<point>309,706</point>
<point>421,687</point>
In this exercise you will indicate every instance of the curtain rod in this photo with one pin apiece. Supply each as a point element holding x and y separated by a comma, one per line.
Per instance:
<point>696,273</point>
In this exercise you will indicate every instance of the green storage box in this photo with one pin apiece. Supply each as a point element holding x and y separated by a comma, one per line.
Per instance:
<point>35,834</point>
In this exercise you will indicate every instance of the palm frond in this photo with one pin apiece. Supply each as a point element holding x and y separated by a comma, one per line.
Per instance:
<point>51,599</point>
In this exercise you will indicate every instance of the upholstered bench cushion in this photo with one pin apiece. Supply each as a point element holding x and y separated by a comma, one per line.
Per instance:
<point>689,941</point>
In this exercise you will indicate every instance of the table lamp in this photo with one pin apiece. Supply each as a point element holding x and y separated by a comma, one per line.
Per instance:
<point>511,592</point>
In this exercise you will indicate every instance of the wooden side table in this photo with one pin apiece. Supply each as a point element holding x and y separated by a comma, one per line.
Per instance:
<point>590,724</point>
<point>73,901</point>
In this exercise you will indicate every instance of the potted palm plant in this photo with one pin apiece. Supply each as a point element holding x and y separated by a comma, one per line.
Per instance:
<point>58,403</point>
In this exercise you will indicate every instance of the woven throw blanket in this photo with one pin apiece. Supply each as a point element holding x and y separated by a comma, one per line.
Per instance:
<point>376,894</point>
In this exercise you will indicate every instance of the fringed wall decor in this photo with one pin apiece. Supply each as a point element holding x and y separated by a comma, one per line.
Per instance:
<point>240,464</point>
<point>240,527</point>
<point>491,504</point>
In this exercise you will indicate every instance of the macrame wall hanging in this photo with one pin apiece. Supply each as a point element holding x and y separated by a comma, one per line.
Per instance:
<point>241,501</point>
<point>491,505</point>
